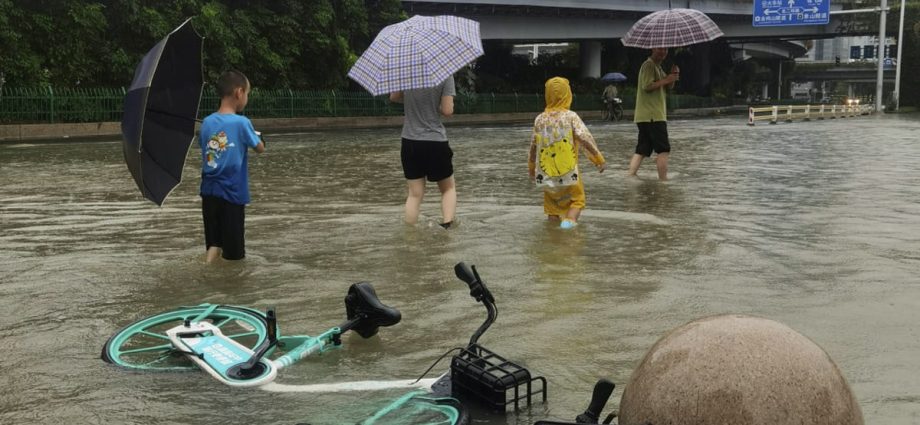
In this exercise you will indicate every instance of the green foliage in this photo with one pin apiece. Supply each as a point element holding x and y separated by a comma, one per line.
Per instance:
<point>299,44</point>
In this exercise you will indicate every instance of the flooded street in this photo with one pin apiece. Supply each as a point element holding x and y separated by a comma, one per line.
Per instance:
<point>814,225</point>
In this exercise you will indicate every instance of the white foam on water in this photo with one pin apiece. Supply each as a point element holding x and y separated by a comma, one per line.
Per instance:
<point>350,386</point>
<point>623,215</point>
<point>536,211</point>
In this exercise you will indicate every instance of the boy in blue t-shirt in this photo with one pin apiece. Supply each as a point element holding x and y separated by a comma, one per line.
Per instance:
<point>225,141</point>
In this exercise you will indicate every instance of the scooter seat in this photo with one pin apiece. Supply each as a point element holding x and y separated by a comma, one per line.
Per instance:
<point>362,303</point>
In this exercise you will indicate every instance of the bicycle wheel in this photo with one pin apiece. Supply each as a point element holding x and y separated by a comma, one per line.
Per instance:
<point>144,345</point>
<point>605,115</point>
<point>617,113</point>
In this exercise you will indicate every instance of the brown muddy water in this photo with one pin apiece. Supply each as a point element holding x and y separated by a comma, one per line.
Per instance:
<point>814,225</point>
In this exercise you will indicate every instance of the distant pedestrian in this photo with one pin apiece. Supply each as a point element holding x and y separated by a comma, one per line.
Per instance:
<point>425,151</point>
<point>610,93</point>
<point>225,141</point>
<point>611,102</point>
<point>552,163</point>
<point>651,112</point>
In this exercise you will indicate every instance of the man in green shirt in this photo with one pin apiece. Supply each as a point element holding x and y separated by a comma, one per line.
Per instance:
<point>651,113</point>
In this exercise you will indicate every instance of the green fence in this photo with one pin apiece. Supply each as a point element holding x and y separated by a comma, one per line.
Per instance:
<point>48,105</point>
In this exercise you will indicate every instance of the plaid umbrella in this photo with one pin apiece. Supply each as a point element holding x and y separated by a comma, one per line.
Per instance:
<point>419,52</point>
<point>671,28</point>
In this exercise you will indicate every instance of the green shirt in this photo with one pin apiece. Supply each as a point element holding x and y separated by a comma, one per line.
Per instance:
<point>650,106</point>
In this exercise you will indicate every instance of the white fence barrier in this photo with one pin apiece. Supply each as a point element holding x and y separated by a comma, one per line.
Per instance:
<point>789,113</point>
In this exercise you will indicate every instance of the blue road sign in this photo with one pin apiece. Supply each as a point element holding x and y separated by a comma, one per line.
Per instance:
<point>778,13</point>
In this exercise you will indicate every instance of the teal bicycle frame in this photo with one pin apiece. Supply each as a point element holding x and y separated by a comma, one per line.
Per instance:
<point>239,356</point>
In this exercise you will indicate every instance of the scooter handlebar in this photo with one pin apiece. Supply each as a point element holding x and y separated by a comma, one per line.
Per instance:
<point>478,288</point>
<point>602,391</point>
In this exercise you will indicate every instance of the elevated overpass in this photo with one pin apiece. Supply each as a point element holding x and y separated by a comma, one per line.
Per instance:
<point>848,74</point>
<point>589,22</point>
<point>557,20</point>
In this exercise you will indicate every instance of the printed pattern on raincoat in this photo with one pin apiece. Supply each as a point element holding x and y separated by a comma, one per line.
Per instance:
<point>557,137</point>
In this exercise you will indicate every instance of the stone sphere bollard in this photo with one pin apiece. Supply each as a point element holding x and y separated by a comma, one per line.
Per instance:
<point>737,370</point>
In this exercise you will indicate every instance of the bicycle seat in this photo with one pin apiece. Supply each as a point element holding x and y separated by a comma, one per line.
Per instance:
<point>362,303</point>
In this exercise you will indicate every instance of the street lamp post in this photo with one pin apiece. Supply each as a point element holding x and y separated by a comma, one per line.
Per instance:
<point>880,82</point>
<point>897,72</point>
<point>882,10</point>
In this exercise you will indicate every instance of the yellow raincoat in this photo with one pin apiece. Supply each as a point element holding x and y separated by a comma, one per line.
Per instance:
<point>553,160</point>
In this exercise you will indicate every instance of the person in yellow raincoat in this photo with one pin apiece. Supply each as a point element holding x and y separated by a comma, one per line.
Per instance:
<point>558,133</point>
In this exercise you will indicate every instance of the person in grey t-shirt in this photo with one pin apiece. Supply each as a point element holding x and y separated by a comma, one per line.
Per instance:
<point>425,151</point>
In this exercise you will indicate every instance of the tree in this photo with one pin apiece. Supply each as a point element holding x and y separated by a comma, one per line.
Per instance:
<point>276,43</point>
<point>58,42</point>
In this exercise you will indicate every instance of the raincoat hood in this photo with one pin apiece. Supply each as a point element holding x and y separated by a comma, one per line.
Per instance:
<point>558,94</point>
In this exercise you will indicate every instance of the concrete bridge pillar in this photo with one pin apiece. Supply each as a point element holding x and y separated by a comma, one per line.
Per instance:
<point>702,69</point>
<point>590,52</point>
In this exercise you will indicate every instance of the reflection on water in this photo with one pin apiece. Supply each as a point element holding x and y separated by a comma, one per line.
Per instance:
<point>810,224</point>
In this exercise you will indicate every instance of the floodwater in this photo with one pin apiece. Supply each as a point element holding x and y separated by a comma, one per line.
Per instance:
<point>813,224</point>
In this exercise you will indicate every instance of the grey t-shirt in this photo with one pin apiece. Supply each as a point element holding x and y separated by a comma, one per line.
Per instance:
<point>423,121</point>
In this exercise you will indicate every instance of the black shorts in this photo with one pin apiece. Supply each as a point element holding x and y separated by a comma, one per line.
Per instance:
<point>652,136</point>
<point>426,159</point>
<point>223,226</point>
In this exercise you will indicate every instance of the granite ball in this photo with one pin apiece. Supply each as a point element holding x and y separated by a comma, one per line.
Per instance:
<point>737,370</point>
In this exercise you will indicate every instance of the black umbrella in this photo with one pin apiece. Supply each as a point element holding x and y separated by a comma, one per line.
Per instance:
<point>161,108</point>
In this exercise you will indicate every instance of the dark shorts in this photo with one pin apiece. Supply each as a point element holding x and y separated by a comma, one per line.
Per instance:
<point>653,136</point>
<point>426,159</point>
<point>223,226</point>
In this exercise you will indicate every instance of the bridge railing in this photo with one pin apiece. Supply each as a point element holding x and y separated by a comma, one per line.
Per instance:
<point>790,113</point>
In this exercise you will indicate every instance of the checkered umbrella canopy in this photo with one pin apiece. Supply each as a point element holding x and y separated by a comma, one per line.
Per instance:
<point>671,28</point>
<point>419,52</point>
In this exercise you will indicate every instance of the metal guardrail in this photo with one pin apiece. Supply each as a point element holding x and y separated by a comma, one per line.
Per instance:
<point>50,105</point>
<point>789,113</point>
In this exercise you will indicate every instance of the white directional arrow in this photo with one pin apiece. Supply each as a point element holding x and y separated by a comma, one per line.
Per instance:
<point>791,3</point>
<point>770,11</point>
<point>812,10</point>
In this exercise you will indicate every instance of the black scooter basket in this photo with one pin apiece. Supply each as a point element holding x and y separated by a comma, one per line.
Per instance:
<point>493,380</point>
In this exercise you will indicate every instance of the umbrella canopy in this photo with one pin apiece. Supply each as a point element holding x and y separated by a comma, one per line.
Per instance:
<point>158,125</point>
<point>671,28</point>
<point>419,52</point>
<point>613,77</point>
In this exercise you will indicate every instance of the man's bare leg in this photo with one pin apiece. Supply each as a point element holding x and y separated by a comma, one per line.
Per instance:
<point>416,191</point>
<point>662,162</point>
<point>213,254</point>
<point>448,199</point>
<point>634,164</point>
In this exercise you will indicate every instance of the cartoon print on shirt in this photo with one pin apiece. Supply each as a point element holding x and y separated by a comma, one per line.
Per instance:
<point>557,158</point>
<point>217,145</point>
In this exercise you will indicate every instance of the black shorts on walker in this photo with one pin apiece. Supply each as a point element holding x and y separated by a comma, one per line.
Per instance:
<point>653,136</point>
<point>429,159</point>
<point>223,226</point>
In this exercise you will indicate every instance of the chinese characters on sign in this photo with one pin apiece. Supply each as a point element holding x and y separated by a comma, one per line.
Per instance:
<point>770,13</point>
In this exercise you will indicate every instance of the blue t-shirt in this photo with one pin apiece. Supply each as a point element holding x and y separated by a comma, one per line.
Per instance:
<point>225,140</point>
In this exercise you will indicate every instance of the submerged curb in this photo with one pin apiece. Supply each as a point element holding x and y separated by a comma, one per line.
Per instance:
<point>97,131</point>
